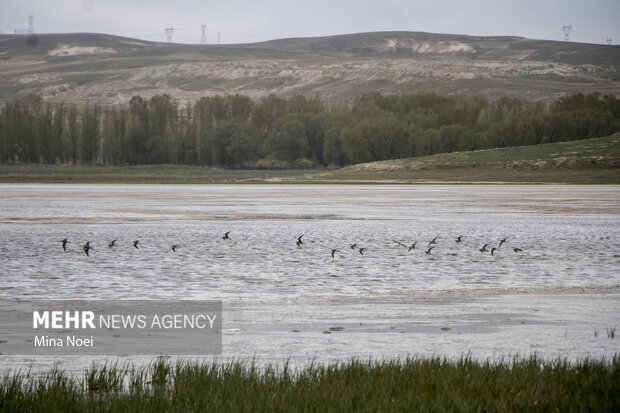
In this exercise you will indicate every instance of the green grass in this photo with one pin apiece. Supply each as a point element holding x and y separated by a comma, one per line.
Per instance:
<point>589,161</point>
<point>153,174</point>
<point>432,384</point>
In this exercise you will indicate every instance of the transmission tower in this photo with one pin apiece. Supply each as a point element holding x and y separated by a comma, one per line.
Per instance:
<point>608,40</point>
<point>169,31</point>
<point>31,24</point>
<point>203,36</point>
<point>567,29</point>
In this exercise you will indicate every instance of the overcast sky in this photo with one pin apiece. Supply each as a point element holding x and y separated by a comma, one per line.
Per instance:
<point>244,21</point>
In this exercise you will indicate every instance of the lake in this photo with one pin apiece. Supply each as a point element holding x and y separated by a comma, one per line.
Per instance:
<point>559,295</point>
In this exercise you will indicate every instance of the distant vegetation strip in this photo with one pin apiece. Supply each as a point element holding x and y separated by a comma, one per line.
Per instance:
<point>588,161</point>
<point>277,133</point>
<point>414,384</point>
<point>141,174</point>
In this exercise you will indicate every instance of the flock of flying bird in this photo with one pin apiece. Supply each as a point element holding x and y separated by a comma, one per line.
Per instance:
<point>431,244</point>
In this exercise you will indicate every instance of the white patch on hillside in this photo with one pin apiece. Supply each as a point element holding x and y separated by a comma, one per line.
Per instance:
<point>416,47</point>
<point>68,50</point>
<point>441,47</point>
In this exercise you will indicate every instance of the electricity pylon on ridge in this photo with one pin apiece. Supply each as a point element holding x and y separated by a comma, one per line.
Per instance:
<point>169,31</point>
<point>203,36</point>
<point>567,29</point>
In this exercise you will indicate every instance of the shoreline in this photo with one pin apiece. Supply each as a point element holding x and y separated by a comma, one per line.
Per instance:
<point>166,175</point>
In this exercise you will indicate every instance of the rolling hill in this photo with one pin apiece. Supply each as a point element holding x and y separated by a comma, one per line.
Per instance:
<point>109,69</point>
<point>595,160</point>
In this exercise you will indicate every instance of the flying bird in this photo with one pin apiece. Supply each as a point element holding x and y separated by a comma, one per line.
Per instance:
<point>428,251</point>
<point>501,242</point>
<point>112,243</point>
<point>412,247</point>
<point>299,241</point>
<point>174,248</point>
<point>493,250</point>
<point>226,235</point>
<point>458,239</point>
<point>86,248</point>
<point>484,248</point>
<point>361,250</point>
<point>334,252</point>
<point>64,244</point>
<point>400,243</point>
<point>517,250</point>
<point>135,244</point>
<point>432,242</point>
<point>353,246</point>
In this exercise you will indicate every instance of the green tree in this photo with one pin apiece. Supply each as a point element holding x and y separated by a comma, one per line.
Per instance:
<point>375,139</point>
<point>288,140</point>
<point>73,131</point>
<point>137,131</point>
<point>90,134</point>
<point>333,149</point>
<point>58,132</point>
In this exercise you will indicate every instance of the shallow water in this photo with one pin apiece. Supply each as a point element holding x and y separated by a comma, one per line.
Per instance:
<point>558,297</point>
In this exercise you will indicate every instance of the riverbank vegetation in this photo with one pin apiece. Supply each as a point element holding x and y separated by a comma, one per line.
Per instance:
<point>237,132</point>
<point>414,384</point>
<point>587,161</point>
<point>141,174</point>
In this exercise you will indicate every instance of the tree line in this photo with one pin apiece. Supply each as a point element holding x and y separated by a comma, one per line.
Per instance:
<point>236,131</point>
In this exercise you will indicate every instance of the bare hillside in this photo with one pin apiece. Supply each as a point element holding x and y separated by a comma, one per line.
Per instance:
<point>108,69</point>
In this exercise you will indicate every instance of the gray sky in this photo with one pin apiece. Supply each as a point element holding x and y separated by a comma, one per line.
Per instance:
<point>244,21</point>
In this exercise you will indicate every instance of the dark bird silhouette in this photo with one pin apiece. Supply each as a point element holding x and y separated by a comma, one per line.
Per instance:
<point>400,243</point>
<point>334,252</point>
<point>299,241</point>
<point>112,243</point>
<point>517,250</point>
<point>64,244</point>
<point>353,246</point>
<point>433,241</point>
<point>361,250</point>
<point>501,242</point>
<point>135,244</point>
<point>428,251</point>
<point>412,247</point>
<point>226,235</point>
<point>484,248</point>
<point>493,250</point>
<point>174,248</point>
<point>458,239</point>
<point>86,248</point>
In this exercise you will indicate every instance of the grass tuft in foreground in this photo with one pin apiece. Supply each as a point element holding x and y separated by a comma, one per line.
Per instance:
<point>433,384</point>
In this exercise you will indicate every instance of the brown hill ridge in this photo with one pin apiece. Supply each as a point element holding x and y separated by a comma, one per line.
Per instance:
<point>109,69</point>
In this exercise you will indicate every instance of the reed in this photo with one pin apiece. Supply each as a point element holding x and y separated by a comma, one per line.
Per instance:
<point>413,384</point>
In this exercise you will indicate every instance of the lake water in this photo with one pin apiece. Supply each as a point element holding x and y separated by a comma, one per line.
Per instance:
<point>558,297</point>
